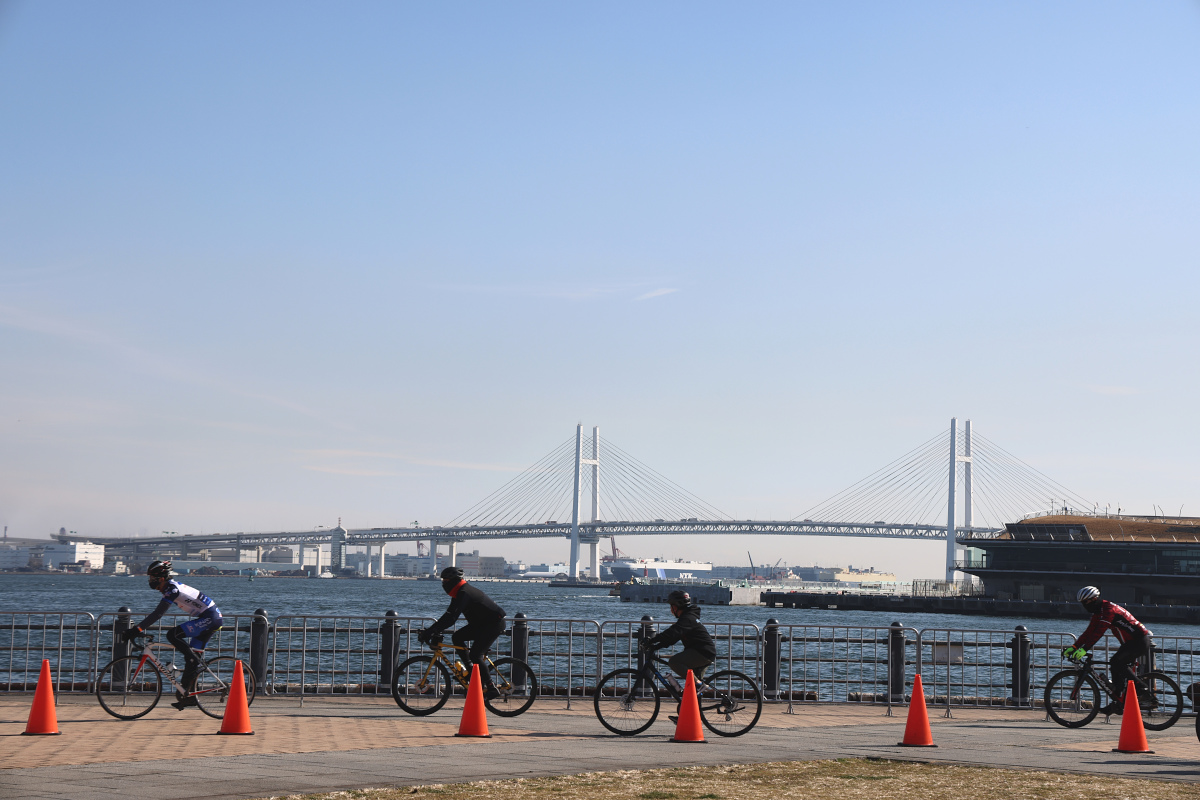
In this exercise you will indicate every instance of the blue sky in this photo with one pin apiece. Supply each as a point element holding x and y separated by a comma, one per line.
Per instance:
<point>267,265</point>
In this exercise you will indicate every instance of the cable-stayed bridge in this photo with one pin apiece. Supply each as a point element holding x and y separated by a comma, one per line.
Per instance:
<point>953,484</point>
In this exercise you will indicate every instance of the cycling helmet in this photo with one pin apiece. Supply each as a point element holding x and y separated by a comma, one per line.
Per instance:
<point>679,598</point>
<point>159,572</point>
<point>1087,594</point>
<point>451,577</point>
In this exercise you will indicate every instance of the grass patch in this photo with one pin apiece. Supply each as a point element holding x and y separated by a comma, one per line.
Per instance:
<point>843,779</point>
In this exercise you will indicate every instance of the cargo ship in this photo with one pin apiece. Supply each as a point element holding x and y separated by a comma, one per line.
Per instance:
<point>623,569</point>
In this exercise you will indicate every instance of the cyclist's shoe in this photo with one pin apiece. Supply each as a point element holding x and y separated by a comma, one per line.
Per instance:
<point>674,719</point>
<point>1115,707</point>
<point>491,693</point>
<point>1147,703</point>
<point>186,702</point>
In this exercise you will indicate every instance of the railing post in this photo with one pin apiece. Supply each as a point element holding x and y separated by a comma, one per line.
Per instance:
<point>1021,679</point>
<point>389,647</point>
<point>258,646</point>
<point>772,647</point>
<point>644,634</point>
<point>896,647</point>
<point>520,646</point>
<point>120,647</point>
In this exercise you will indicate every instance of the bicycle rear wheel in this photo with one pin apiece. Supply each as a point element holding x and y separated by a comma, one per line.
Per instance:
<point>626,702</point>
<point>517,685</point>
<point>421,685</point>
<point>730,704</point>
<point>214,684</point>
<point>128,688</point>
<point>1162,705</point>
<point>1072,698</point>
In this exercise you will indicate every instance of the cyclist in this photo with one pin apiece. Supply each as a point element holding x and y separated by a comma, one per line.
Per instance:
<point>698,649</point>
<point>199,630</point>
<point>485,622</point>
<point>1133,636</point>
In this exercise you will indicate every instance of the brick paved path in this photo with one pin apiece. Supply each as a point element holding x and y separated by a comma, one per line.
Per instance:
<point>352,743</point>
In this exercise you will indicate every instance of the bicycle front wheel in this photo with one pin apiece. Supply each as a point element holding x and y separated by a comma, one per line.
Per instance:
<point>730,703</point>
<point>626,702</point>
<point>421,685</point>
<point>1162,705</point>
<point>517,687</point>
<point>1072,698</point>
<point>214,683</point>
<point>128,687</point>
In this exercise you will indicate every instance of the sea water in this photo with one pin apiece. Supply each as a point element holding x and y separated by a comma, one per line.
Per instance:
<point>98,594</point>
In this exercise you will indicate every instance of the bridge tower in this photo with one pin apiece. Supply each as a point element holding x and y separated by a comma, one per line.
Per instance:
<point>593,541</point>
<point>955,459</point>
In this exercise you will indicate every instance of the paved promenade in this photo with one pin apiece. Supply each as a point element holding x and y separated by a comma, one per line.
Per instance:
<point>334,744</point>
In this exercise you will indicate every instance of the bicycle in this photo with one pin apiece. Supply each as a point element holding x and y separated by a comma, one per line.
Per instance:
<point>627,701</point>
<point>1073,696</point>
<point>422,684</point>
<point>130,687</point>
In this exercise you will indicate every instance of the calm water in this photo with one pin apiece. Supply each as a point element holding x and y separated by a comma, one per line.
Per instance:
<point>344,597</point>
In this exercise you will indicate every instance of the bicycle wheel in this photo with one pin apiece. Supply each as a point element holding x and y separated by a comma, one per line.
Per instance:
<point>626,702</point>
<point>1167,705</point>
<point>1072,698</point>
<point>421,685</point>
<point>127,688</point>
<point>517,685</point>
<point>214,683</point>
<point>730,703</point>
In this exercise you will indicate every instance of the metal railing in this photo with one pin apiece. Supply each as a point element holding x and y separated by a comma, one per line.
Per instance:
<point>301,656</point>
<point>67,639</point>
<point>337,654</point>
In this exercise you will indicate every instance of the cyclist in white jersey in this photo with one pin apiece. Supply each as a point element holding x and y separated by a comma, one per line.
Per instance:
<point>191,636</point>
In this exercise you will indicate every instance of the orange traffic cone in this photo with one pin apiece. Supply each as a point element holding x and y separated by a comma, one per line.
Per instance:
<point>916,730</point>
<point>236,719</point>
<point>689,728</point>
<point>42,719</point>
<point>474,717</point>
<point>1133,733</point>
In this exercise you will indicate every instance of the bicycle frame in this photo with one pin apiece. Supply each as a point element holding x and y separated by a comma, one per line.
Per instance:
<point>463,676</point>
<point>148,655</point>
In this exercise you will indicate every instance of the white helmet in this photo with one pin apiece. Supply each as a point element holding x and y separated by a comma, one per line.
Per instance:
<point>1087,594</point>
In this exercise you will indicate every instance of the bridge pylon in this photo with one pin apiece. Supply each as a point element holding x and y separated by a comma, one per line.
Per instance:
<point>594,462</point>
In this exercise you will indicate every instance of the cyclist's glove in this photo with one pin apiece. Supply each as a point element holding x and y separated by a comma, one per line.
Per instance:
<point>1074,653</point>
<point>423,636</point>
<point>130,634</point>
<point>645,646</point>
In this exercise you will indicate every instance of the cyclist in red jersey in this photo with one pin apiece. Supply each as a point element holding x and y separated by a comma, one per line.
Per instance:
<point>1133,636</point>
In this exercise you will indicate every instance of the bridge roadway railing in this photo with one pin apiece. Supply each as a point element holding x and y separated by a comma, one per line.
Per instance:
<point>303,656</point>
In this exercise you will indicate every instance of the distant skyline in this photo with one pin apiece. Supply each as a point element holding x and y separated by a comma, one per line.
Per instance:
<point>266,266</point>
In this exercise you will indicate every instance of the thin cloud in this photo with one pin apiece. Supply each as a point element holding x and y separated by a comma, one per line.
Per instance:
<point>360,473</point>
<point>423,462</point>
<point>136,357</point>
<point>1114,390</point>
<point>656,293</point>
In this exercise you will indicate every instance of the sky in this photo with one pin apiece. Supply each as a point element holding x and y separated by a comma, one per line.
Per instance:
<point>265,266</point>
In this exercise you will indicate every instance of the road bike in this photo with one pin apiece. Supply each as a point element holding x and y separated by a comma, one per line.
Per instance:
<point>1076,695</point>
<point>422,684</point>
<point>131,686</point>
<point>627,700</point>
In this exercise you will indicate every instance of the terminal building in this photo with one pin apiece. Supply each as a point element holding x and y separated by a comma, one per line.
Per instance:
<point>1137,560</point>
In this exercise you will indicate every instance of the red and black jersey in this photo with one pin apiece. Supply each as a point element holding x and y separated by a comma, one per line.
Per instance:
<point>1124,625</point>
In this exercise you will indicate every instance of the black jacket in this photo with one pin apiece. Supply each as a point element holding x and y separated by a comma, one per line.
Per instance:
<point>687,628</point>
<point>472,603</point>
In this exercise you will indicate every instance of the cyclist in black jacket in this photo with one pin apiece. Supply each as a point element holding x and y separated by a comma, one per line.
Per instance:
<point>485,621</point>
<point>698,649</point>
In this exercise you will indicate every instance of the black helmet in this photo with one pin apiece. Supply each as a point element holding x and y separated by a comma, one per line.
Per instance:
<point>680,598</point>
<point>159,572</point>
<point>451,577</point>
